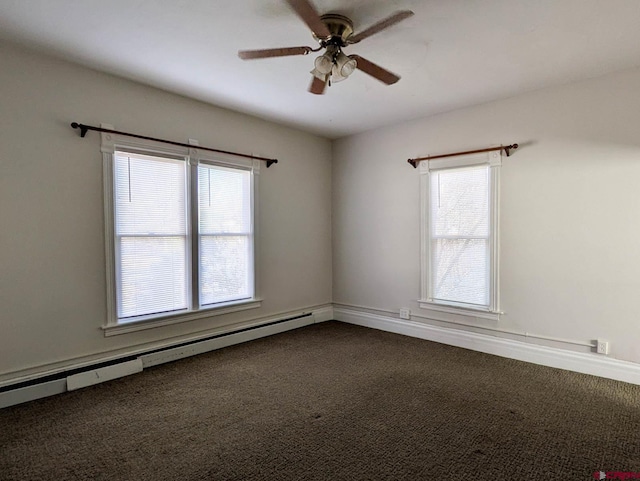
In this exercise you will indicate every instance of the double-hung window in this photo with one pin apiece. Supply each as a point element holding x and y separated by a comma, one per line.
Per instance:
<point>225,237</point>
<point>460,234</point>
<point>180,233</point>
<point>151,234</point>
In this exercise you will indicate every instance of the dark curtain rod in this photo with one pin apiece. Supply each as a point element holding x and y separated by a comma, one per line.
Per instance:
<point>84,128</point>
<point>506,148</point>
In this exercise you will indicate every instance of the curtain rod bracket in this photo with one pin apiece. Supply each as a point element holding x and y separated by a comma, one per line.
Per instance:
<point>85,128</point>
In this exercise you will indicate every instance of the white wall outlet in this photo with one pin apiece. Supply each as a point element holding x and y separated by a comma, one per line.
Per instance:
<point>602,347</point>
<point>405,313</point>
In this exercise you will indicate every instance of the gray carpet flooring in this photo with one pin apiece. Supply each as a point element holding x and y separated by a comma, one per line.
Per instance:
<point>330,402</point>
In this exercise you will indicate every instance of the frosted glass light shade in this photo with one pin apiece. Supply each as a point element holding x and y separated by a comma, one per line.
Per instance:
<point>318,74</point>
<point>343,67</point>
<point>324,63</point>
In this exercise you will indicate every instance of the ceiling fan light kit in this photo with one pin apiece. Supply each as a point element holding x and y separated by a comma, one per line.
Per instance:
<point>333,32</point>
<point>335,64</point>
<point>324,63</point>
<point>343,67</point>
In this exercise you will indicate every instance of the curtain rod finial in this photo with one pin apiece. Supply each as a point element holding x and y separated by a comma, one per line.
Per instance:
<point>83,128</point>
<point>508,148</point>
<point>413,162</point>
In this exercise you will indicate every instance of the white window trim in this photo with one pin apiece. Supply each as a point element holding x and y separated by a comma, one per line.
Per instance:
<point>193,156</point>
<point>494,161</point>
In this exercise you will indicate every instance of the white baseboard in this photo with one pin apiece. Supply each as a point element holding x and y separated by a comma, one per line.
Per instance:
<point>593,364</point>
<point>586,363</point>
<point>173,354</point>
<point>323,314</point>
<point>198,344</point>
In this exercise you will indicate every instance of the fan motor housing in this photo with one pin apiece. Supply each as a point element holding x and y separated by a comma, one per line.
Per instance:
<point>339,26</point>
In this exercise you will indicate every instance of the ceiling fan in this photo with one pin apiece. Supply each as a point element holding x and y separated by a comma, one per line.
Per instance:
<point>333,32</point>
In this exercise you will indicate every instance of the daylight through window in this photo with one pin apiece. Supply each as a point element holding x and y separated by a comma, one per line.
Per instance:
<point>460,233</point>
<point>182,234</point>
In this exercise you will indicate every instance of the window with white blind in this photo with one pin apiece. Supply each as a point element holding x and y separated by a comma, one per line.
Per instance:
<point>151,235</point>
<point>225,234</point>
<point>460,234</point>
<point>180,234</point>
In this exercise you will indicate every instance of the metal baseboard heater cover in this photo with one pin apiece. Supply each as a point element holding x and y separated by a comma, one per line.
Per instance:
<point>73,379</point>
<point>103,374</point>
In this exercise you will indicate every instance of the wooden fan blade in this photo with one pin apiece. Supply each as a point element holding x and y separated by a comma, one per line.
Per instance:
<point>375,70</point>
<point>317,85</point>
<point>381,25</point>
<point>307,12</point>
<point>273,52</point>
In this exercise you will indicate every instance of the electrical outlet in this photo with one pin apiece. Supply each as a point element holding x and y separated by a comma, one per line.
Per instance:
<point>405,313</point>
<point>602,347</point>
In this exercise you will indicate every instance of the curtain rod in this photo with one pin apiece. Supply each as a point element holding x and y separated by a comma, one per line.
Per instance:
<point>84,128</point>
<point>506,148</point>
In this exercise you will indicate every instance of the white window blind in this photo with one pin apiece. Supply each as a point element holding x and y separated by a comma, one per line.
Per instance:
<point>179,231</point>
<point>225,234</point>
<point>151,232</point>
<point>460,235</point>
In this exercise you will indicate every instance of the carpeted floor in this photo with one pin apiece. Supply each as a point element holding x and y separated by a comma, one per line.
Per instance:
<point>330,402</point>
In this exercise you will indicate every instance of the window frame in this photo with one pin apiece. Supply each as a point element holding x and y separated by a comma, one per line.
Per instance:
<point>193,157</point>
<point>197,236</point>
<point>427,301</point>
<point>117,239</point>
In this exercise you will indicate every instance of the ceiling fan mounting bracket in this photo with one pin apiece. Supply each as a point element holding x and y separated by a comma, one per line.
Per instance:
<point>339,26</point>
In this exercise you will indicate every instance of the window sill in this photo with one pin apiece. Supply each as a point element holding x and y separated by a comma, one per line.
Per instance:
<point>461,311</point>
<point>140,325</point>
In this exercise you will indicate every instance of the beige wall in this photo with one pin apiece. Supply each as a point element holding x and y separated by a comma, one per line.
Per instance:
<point>570,212</point>
<point>569,228</point>
<point>52,261</point>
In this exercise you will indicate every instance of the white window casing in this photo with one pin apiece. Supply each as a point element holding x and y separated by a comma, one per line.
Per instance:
<point>461,236</point>
<point>190,279</point>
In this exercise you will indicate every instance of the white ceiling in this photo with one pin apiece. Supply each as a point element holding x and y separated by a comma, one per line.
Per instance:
<point>450,54</point>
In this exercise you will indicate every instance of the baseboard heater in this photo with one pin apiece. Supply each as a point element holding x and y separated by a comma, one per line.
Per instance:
<point>73,379</point>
